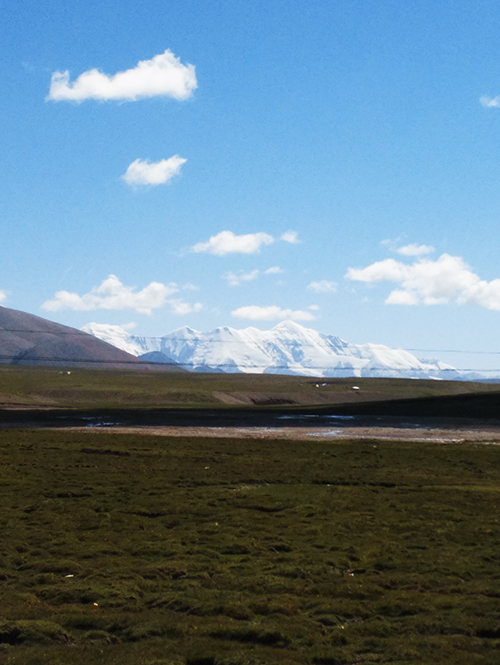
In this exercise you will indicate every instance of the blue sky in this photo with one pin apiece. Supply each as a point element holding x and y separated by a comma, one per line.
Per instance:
<point>334,162</point>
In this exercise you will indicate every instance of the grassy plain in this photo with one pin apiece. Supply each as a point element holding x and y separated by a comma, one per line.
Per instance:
<point>130,549</point>
<point>28,387</point>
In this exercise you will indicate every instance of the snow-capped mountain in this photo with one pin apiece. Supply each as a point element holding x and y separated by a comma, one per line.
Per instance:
<point>121,338</point>
<point>288,348</point>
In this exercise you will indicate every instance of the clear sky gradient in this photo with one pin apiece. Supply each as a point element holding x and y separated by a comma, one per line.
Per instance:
<point>226,162</point>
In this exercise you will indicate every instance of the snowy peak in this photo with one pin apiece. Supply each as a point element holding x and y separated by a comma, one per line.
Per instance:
<point>288,348</point>
<point>115,335</point>
<point>291,327</point>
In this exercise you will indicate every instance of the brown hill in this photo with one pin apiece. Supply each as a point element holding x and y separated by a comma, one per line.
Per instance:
<point>26,339</point>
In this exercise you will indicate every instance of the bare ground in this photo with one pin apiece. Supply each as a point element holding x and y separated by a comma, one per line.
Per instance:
<point>425,432</point>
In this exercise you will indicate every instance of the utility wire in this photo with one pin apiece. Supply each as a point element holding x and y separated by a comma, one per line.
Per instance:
<point>45,332</point>
<point>81,333</point>
<point>19,360</point>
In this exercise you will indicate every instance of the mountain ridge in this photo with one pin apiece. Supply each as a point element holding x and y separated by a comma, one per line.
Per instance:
<point>27,339</point>
<point>288,348</point>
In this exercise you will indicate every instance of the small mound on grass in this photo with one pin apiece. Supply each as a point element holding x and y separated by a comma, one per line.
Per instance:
<point>31,633</point>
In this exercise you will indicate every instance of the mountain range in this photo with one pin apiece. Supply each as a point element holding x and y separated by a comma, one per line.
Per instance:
<point>288,348</point>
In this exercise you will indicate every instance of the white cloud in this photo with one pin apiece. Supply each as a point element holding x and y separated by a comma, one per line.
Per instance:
<point>411,249</point>
<point>163,75</point>
<point>291,237</point>
<point>226,242</point>
<point>181,308</point>
<point>490,102</point>
<point>271,313</point>
<point>447,279</point>
<point>314,308</point>
<point>112,294</point>
<point>142,172</point>
<point>3,295</point>
<point>235,280</point>
<point>323,286</point>
<point>415,250</point>
<point>389,269</point>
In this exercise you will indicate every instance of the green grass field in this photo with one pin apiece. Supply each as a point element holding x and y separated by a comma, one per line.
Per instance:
<point>87,388</point>
<point>146,550</point>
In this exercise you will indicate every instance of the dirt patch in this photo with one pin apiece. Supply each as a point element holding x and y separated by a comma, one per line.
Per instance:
<point>257,399</point>
<point>487,435</point>
<point>231,398</point>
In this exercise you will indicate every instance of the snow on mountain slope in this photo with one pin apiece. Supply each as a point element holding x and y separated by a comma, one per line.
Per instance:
<point>115,335</point>
<point>288,348</point>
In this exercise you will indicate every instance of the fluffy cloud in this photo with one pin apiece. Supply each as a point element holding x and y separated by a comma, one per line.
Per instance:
<point>234,279</point>
<point>448,279</point>
<point>490,102</point>
<point>142,172</point>
<point>112,294</point>
<point>415,250</point>
<point>271,313</point>
<point>291,237</point>
<point>407,250</point>
<point>226,242</point>
<point>181,308</point>
<point>163,75</point>
<point>3,296</point>
<point>323,286</point>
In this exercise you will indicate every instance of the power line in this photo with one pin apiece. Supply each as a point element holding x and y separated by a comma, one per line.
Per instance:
<point>213,340</point>
<point>491,353</point>
<point>220,366</point>
<point>19,360</point>
<point>80,333</point>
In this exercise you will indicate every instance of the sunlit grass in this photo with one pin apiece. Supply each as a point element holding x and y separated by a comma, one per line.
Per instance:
<point>87,388</point>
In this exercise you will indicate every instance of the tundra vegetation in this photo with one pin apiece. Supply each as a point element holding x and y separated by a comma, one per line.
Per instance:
<point>150,550</point>
<point>155,550</point>
<point>134,389</point>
